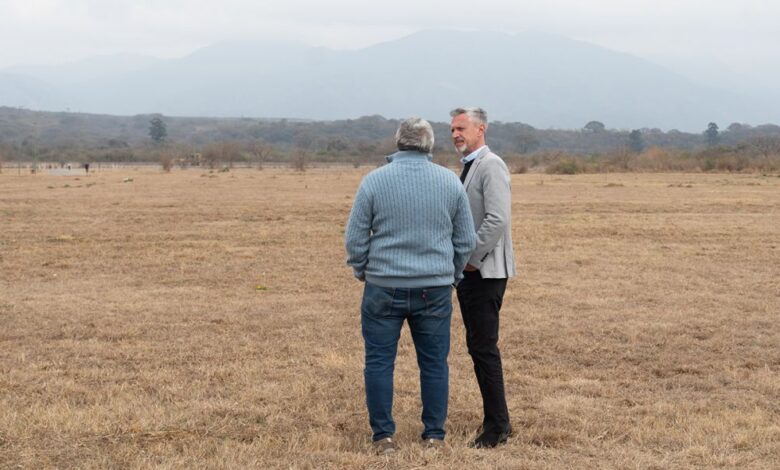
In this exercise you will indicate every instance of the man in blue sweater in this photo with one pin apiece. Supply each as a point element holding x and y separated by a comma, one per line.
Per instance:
<point>409,236</point>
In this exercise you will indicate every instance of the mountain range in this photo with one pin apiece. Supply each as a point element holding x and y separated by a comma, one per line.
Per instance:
<point>543,80</point>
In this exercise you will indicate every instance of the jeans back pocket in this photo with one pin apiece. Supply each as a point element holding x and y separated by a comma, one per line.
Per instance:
<point>377,301</point>
<point>438,301</point>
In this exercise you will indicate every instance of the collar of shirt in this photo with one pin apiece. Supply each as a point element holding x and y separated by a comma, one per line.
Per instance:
<point>470,157</point>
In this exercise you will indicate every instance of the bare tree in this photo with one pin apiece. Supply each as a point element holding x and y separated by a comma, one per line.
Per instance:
<point>259,150</point>
<point>766,146</point>
<point>526,140</point>
<point>299,159</point>
<point>226,152</point>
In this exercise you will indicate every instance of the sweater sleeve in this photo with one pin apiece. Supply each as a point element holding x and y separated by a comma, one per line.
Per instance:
<point>358,232</point>
<point>464,239</point>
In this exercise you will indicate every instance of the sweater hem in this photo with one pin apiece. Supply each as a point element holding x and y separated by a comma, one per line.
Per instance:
<point>410,282</point>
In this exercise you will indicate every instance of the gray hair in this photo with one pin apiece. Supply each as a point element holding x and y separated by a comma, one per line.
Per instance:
<point>477,115</point>
<point>414,134</point>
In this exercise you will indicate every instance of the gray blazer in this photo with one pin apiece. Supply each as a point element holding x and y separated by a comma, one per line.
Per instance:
<point>490,197</point>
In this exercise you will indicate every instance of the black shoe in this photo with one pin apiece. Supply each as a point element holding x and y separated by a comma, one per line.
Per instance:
<point>488,440</point>
<point>481,429</point>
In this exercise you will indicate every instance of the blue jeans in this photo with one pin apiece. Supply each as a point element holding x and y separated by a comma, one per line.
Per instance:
<point>428,311</point>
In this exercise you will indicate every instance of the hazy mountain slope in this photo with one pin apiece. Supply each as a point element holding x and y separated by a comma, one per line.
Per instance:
<point>228,79</point>
<point>539,79</point>
<point>24,91</point>
<point>544,80</point>
<point>79,71</point>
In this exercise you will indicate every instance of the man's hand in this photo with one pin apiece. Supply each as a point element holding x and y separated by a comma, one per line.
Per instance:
<point>469,268</point>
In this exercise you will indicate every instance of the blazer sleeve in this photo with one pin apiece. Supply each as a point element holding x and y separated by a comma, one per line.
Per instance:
<point>497,200</point>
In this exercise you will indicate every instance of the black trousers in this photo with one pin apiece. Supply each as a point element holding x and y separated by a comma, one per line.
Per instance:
<point>480,301</point>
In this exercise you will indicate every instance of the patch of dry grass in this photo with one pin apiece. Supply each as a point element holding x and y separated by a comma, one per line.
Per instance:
<point>179,321</point>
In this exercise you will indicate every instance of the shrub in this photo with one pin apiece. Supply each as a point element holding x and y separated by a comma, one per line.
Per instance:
<point>166,160</point>
<point>619,160</point>
<point>732,163</point>
<point>659,159</point>
<point>517,164</point>
<point>567,166</point>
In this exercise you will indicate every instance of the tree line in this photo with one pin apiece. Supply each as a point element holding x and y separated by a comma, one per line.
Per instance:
<point>61,138</point>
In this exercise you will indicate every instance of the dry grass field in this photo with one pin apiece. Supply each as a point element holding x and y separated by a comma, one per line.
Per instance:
<point>196,320</point>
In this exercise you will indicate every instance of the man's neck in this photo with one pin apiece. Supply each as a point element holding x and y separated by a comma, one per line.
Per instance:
<point>477,146</point>
<point>471,155</point>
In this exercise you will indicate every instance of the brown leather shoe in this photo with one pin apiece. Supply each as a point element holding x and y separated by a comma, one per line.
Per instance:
<point>433,444</point>
<point>384,446</point>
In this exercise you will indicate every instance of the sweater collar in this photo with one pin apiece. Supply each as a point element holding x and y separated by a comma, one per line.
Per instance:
<point>408,155</point>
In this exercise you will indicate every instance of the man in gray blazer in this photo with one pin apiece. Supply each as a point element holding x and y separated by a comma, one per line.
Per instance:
<point>481,292</point>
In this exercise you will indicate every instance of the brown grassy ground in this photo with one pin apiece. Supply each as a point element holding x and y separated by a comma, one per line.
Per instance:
<point>208,320</point>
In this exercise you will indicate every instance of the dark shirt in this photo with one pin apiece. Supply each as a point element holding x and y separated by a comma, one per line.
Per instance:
<point>465,171</point>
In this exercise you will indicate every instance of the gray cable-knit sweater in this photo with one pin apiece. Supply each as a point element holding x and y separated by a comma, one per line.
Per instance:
<point>410,225</point>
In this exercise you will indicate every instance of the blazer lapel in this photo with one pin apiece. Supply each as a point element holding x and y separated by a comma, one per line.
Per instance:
<point>473,169</point>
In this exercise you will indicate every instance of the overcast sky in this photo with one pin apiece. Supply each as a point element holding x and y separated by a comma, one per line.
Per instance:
<point>740,33</point>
